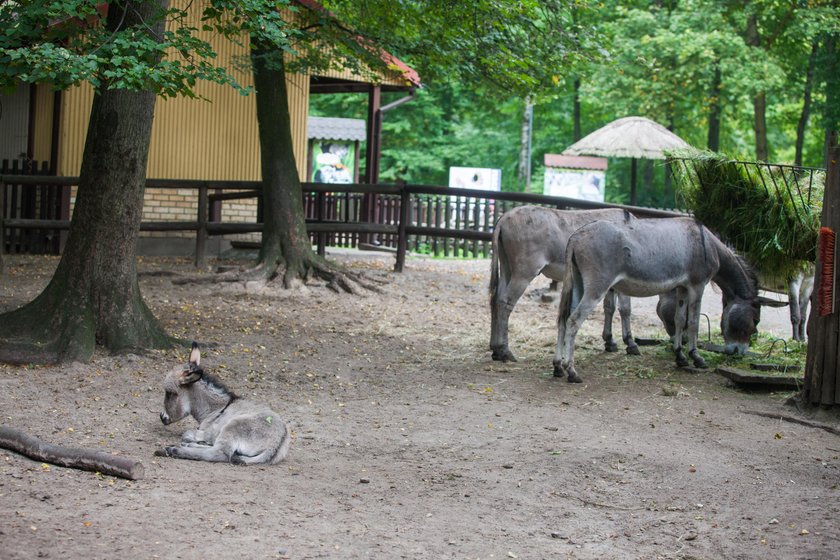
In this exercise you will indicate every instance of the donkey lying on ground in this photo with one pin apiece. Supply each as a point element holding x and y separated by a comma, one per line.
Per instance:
<point>230,429</point>
<point>650,257</point>
<point>529,241</point>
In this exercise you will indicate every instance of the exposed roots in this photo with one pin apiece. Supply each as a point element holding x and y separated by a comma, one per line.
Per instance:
<point>286,276</point>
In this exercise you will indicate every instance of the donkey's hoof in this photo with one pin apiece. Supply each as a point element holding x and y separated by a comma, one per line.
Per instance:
<point>559,371</point>
<point>633,351</point>
<point>698,360</point>
<point>504,355</point>
<point>610,346</point>
<point>574,377</point>
<point>682,361</point>
<point>162,452</point>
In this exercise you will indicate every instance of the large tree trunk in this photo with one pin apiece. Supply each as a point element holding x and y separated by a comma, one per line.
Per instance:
<point>286,253</point>
<point>285,242</point>
<point>93,297</point>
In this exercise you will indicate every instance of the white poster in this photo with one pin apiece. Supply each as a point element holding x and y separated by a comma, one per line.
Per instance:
<point>575,183</point>
<point>480,178</point>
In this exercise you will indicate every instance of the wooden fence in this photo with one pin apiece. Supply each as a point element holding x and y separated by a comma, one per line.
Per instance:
<point>430,219</point>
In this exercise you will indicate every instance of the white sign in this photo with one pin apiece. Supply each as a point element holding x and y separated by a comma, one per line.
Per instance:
<point>475,178</point>
<point>575,183</point>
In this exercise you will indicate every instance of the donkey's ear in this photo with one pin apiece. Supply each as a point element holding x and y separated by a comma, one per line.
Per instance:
<point>195,355</point>
<point>768,302</point>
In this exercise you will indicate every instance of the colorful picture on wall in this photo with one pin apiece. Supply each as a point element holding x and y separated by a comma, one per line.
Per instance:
<point>333,162</point>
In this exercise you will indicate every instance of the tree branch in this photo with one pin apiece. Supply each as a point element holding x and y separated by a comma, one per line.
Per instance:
<point>74,458</point>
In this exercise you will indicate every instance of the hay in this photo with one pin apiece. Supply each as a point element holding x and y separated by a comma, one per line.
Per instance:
<point>768,213</point>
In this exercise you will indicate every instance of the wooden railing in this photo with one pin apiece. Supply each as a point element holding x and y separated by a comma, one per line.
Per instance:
<point>446,221</point>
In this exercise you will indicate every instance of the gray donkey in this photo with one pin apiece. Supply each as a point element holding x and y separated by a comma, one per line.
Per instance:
<point>230,429</point>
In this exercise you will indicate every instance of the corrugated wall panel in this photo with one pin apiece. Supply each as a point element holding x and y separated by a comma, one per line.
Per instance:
<point>212,138</point>
<point>75,113</point>
<point>44,97</point>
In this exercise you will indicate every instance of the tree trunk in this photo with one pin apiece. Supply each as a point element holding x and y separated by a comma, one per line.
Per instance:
<point>285,242</point>
<point>821,385</point>
<point>806,105</point>
<point>759,99</point>
<point>525,144</point>
<point>576,130</point>
<point>94,297</point>
<point>713,139</point>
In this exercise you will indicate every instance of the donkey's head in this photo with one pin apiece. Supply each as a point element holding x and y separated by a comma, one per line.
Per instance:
<point>738,323</point>
<point>177,402</point>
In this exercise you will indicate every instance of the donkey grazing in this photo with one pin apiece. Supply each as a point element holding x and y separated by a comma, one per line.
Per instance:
<point>529,241</point>
<point>649,257</point>
<point>230,429</point>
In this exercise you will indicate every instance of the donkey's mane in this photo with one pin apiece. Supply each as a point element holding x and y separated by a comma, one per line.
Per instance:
<point>736,274</point>
<point>215,385</point>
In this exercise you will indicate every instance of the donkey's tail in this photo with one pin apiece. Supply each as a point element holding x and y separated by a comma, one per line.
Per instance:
<point>494,259</point>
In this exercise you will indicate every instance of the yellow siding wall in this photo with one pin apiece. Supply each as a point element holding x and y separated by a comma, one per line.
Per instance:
<point>44,96</point>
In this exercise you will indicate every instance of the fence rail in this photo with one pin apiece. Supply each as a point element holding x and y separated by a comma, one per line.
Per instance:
<point>431,219</point>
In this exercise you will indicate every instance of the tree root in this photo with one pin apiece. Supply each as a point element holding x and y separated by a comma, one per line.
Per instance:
<point>336,277</point>
<point>74,458</point>
<point>794,420</point>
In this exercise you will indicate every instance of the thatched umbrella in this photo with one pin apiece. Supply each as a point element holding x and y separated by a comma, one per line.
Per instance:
<point>633,137</point>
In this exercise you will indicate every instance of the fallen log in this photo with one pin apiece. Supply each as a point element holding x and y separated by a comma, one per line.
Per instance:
<point>71,457</point>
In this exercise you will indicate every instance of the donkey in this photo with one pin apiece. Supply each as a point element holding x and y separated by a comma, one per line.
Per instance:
<point>649,257</point>
<point>529,241</point>
<point>230,429</point>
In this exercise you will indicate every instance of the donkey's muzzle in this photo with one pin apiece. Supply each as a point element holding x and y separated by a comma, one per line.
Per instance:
<point>164,417</point>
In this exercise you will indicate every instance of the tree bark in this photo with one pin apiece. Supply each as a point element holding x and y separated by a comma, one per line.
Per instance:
<point>94,297</point>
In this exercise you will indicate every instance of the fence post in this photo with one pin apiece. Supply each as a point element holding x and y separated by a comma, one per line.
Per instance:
<point>2,226</point>
<point>402,238</point>
<point>321,236</point>
<point>201,232</point>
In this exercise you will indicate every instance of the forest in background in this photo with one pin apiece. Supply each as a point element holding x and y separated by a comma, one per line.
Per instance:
<point>749,79</point>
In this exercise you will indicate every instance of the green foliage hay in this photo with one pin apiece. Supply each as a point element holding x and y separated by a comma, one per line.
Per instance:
<point>763,211</point>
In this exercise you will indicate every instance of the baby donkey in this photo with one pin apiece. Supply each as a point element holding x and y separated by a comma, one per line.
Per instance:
<point>230,429</point>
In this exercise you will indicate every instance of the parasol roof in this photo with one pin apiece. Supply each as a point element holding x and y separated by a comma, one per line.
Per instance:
<point>630,137</point>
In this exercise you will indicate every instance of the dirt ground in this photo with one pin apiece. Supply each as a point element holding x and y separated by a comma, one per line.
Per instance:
<point>409,441</point>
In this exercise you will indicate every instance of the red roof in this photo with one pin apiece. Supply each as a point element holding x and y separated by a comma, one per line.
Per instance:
<point>390,60</point>
<point>575,162</point>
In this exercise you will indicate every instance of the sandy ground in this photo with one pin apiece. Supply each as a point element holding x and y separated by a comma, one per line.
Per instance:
<point>409,441</point>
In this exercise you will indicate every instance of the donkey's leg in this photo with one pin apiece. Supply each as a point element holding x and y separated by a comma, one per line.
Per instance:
<point>609,311</point>
<point>793,303</point>
<point>582,311</point>
<point>502,302</point>
<point>805,291</point>
<point>680,315</point>
<point>568,301</point>
<point>215,454</point>
<point>695,299</point>
<point>624,310</point>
